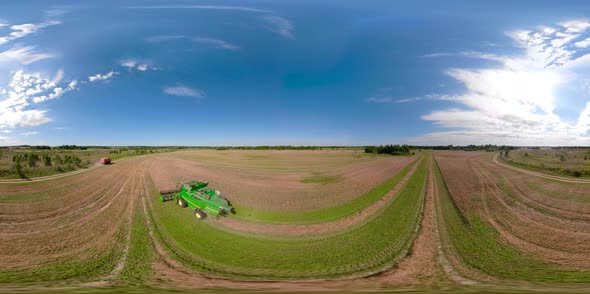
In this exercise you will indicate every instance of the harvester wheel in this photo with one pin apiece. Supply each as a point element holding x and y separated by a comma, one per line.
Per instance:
<point>199,214</point>
<point>181,202</point>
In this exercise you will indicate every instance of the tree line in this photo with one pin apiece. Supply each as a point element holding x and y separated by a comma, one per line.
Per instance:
<point>487,147</point>
<point>389,149</point>
<point>31,160</point>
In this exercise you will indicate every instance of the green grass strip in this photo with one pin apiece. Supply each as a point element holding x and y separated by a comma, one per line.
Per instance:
<point>481,247</point>
<point>325,214</point>
<point>359,250</point>
<point>141,253</point>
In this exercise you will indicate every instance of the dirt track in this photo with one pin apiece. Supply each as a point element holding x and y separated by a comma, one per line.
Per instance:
<point>46,178</point>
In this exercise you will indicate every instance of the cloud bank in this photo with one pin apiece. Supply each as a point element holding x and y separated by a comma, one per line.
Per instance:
<point>515,103</point>
<point>24,92</point>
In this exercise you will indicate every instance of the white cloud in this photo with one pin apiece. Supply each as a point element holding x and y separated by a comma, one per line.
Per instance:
<point>215,43</point>
<point>469,54</point>
<point>425,97</point>
<point>181,90</point>
<point>386,95</point>
<point>515,103</point>
<point>99,77</point>
<point>583,44</point>
<point>163,38</point>
<point>376,99</point>
<point>22,30</point>
<point>575,26</point>
<point>72,84</point>
<point>142,67</point>
<point>23,55</point>
<point>129,63</point>
<point>280,25</point>
<point>212,42</point>
<point>23,92</point>
<point>134,64</point>
<point>9,118</point>
<point>551,47</point>
<point>27,54</point>
<point>7,141</point>
<point>211,7</point>
<point>6,131</point>
<point>388,99</point>
<point>274,23</point>
<point>28,134</point>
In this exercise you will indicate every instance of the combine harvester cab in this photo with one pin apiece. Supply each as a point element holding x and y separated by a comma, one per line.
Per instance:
<point>200,198</point>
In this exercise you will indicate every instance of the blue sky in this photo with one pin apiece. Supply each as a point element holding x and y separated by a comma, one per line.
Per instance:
<point>294,72</point>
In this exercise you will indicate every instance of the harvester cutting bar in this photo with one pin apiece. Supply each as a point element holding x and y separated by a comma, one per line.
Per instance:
<point>168,194</point>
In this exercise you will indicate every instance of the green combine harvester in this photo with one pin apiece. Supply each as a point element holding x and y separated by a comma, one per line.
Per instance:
<point>200,198</point>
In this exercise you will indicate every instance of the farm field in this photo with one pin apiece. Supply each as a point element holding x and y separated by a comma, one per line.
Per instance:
<point>41,162</point>
<point>38,163</point>
<point>305,221</point>
<point>561,162</point>
<point>502,224</point>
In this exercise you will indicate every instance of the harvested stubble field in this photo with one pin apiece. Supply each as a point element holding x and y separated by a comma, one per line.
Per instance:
<point>306,220</point>
<point>498,228</point>
<point>562,162</point>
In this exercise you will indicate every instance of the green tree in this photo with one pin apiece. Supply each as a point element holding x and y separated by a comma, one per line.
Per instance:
<point>19,168</point>
<point>58,160</point>
<point>47,160</point>
<point>32,159</point>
